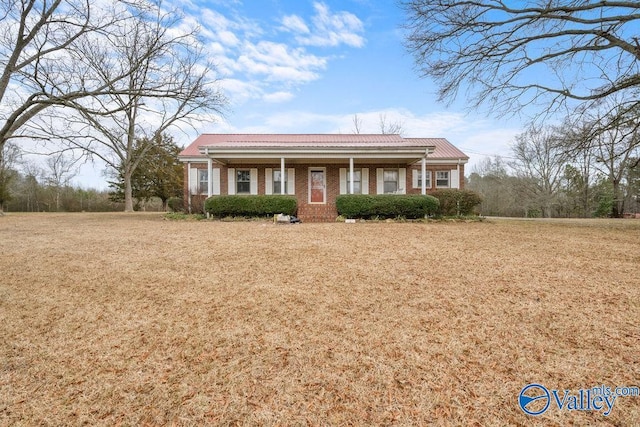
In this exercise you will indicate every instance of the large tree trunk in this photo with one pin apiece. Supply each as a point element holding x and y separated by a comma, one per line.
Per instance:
<point>128,191</point>
<point>617,207</point>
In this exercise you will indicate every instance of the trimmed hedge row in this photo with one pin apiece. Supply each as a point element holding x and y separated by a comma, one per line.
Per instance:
<point>386,205</point>
<point>251,206</point>
<point>457,202</point>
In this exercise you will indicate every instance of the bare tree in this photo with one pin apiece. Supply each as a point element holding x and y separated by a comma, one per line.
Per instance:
<point>616,151</point>
<point>393,128</point>
<point>541,161</point>
<point>572,137</point>
<point>357,124</point>
<point>37,67</point>
<point>492,180</point>
<point>554,53</point>
<point>61,168</point>
<point>386,127</point>
<point>168,83</point>
<point>31,186</point>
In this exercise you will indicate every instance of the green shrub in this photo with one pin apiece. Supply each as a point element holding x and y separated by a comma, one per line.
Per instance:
<point>385,205</point>
<point>250,206</point>
<point>176,204</point>
<point>454,202</point>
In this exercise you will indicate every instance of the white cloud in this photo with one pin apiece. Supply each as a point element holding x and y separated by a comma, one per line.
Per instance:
<point>215,49</point>
<point>269,67</point>
<point>240,91</point>
<point>277,97</point>
<point>279,62</point>
<point>227,38</point>
<point>294,24</point>
<point>332,29</point>
<point>487,142</point>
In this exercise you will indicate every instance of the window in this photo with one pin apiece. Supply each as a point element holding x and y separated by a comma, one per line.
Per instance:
<point>243,181</point>
<point>442,178</point>
<point>203,181</point>
<point>390,177</point>
<point>419,180</point>
<point>277,181</point>
<point>357,181</point>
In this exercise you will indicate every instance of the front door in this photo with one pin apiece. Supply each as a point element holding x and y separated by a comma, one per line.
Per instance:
<point>317,186</point>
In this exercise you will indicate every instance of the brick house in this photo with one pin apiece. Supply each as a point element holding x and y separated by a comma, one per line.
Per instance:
<point>317,167</point>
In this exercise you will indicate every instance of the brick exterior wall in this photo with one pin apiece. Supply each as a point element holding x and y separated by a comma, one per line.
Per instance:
<point>313,212</point>
<point>197,201</point>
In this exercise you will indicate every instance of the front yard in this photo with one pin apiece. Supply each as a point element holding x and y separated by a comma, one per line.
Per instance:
<point>132,319</point>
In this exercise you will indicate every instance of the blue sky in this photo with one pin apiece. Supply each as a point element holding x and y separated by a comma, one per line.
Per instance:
<point>304,66</point>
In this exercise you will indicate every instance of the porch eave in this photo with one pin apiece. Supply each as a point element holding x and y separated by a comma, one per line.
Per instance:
<point>318,156</point>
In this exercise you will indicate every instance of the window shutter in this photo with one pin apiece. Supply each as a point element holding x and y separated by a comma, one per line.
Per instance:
<point>291,181</point>
<point>454,181</point>
<point>402,180</point>
<point>193,181</point>
<point>343,181</point>
<point>365,181</point>
<point>414,178</point>
<point>268,181</point>
<point>231,187</point>
<point>254,181</point>
<point>216,181</point>
<point>379,181</point>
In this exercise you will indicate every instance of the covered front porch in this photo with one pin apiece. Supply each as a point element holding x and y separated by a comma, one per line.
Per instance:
<point>315,176</point>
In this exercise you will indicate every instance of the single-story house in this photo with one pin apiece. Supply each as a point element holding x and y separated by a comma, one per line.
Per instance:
<point>317,167</point>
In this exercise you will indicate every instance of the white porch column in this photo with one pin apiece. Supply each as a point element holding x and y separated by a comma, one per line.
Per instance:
<point>189,186</point>
<point>350,175</point>
<point>209,177</point>
<point>423,184</point>
<point>283,179</point>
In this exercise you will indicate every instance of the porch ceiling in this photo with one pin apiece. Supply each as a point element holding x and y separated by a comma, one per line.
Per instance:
<point>395,155</point>
<point>312,161</point>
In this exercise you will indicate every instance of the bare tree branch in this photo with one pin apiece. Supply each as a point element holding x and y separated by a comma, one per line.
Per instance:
<point>167,81</point>
<point>547,54</point>
<point>39,64</point>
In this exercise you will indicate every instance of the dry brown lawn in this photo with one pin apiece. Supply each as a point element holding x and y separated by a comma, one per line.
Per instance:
<point>131,319</point>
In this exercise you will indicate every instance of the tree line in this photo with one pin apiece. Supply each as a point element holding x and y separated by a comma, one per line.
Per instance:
<point>563,171</point>
<point>26,186</point>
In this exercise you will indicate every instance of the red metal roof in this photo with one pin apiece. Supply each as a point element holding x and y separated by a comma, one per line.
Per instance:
<point>444,149</point>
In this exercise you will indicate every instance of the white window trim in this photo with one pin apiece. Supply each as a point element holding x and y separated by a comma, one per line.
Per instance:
<point>402,180</point>
<point>417,176</point>
<point>238,171</point>
<point>231,181</point>
<point>203,184</point>
<point>291,180</point>
<point>194,181</point>
<point>364,180</point>
<point>448,179</point>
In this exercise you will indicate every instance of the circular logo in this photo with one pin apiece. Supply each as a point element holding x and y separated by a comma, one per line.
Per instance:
<point>534,399</point>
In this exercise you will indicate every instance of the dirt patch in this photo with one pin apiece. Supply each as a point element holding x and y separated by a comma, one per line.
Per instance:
<point>132,319</point>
